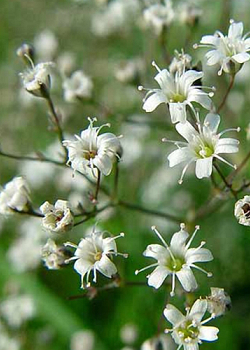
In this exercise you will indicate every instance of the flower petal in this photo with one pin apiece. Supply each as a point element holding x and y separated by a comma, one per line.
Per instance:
<point>178,112</point>
<point>198,309</point>
<point>173,315</point>
<point>178,156</point>
<point>208,333</point>
<point>157,277</point>
<point>227,145</point>
<point>186,130</point>
<point>235,30</point>
<point>156,251</point>
<point>187,279</point>
<point>201,255</point>
<point>200,97</point>
<point>106,266</point>
<point>241,57</point>
<point>204,167</point>
<point>82,266</point>
<point>153,101</point>
<point>178,241</point>
<point>103,163</point>
<point>211,123</point>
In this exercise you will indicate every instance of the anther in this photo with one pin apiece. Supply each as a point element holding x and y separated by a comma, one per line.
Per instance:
<point>195,46</point>
<point>140,88</point>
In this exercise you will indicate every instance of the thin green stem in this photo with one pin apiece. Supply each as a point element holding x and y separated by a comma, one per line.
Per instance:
<point>227,184</point>
<point>98,182</point>
<point>40,158</point>
<point>232,78</point>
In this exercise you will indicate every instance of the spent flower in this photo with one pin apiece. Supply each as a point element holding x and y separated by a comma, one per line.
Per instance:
<point>218,302</point>
<point>202,146</point>
<point>176,90</point>
<point>94,253</point>
<point>57,218</point>
<point>54,256</point>
<point>176,259</point>
<point>229,51</point>
<point>14,196</point>
<point>93,151</point>
<point>242,211</point>
<point>189,331</point>
<point>78,86</point>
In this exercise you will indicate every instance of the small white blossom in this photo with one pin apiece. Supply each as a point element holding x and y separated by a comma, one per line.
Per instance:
<point>10,343</point>
<point>157,16</point>
<point>57,218</point>
<point>177,91</point>
<point>54,256</point>
<point>78,86</point>
<point>242,211</point>
<point>36,79</point>
<point>177,259</point>
<point>46,45</point>
<point>162,341</point>
<point>94,253</point>
<point>14,196</point>
<point>128,70</point>
<point>17,309</point>
<point>229,51</point>
<point>129,333</point>
<point>218,302</point>
<point>188,331</point>
<point>93,151</point>
<point>180,63</point>
<point>188,12</point>
<point>202,146</point>
<point>82,340</point>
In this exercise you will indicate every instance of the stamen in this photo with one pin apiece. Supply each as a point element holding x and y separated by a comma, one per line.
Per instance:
<point>164,242</point>
<point>209,274</point>
<point>172,293</point>
<point>231,129</point>
<point>184,171</point>
<point>124,255</point>
<point>69,244</point>
<point>30,60</point>
<point>207,319</point>
<point>145,268</point>
<point>197,227</point>
<point>200,246</point>
<point>174,142</point>
<point>225,161</point>
<point>155,65</point>
<point>94,273</point>
<point>70,259</point>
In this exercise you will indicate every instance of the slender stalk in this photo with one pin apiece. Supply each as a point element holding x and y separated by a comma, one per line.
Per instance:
<point>36,159</point>
<point>228,185</point>
<point>89,215</point>
<point>115,190</point>
<point>57,123</point>
<point>97,185</point>
<point>239,168</point>
<point>141,209</point>
<point>232,78</point>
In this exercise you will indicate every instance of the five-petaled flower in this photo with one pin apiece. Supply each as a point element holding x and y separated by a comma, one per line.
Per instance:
<point>202,146</point>
<point>189,330</point>
<point>229,51</point>
<point>93,151</point>
<point>94,253</point>
<point>177,91</point>
<point>176,259</point>
<point>57,218</point>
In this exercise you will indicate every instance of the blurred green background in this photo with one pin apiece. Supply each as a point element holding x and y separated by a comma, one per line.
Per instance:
<point>145,177</point>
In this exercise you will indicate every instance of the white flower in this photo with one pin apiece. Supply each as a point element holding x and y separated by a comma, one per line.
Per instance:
<point>17,309</point>
<point>177,259</point>
<point>202,146</point>
<point>218,302</point>
<point>242,211</point>
<point>177,91</point>
<point>82,340</point>
<point>158,16</point>
<point>128,70</point>
<point>188,12</point>
<point>46,45</point>
<point>188,331</point>
<point>78,86</point>
<point>180,63</point>
<point>14,196</point>
<point>93,253</point>
<point>54,256</point>
<point>162,341</point>
<point>93,151</point>
<point>57,218</point>
<point>36,79</point>
<point>229,51</point>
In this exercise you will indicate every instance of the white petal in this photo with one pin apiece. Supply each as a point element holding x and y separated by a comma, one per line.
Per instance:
<point>213,57</point>
<point>209,40</point>
<point>241,57</point>
<point>187,279</point>
<point>201,255</point>
<point>227,145</point>
<point>156,251</point>
<point>177,112</point>
<point>200,97</point>
<point>103,163</point>
<point>198,309</point>
<point>173,315</point>
<point>204,167</point>
<point>186,130</point>
<point>157,277</point>
<point>178,156</point>
<point>153,101</point>
<point>189,77</point>
<point>82,266</point>
<point>235,30</point>
<point>211,123</point>
<point>178,241</point>
<point>208,333</point>
<point>165,80</point>
<point>191,346</point>
<point>106,266</point>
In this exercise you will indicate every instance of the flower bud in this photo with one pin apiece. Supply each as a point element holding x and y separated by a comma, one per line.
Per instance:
<point>242,211</point>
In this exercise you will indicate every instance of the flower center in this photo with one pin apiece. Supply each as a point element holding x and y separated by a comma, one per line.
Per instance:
<point>188,331</point>
<point>246,210</point>
<point>97,256</point>
<point>90,155</point>
<point>206,152</point>
<point>178,97</point>
<point>176,264</point>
